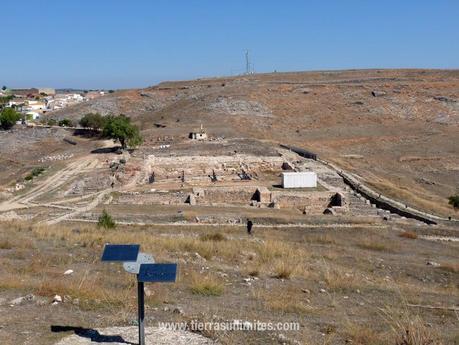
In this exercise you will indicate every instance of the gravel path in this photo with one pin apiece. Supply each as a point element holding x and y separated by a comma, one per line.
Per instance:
<point>129,335</point>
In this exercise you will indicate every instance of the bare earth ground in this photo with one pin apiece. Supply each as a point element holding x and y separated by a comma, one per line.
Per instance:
<point>360,285</point>
<point>361,276</point>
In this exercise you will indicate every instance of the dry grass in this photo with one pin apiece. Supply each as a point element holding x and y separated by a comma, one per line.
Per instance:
<point>91,293</point>
<point>372,244</point>
<point>217,236</point>
<point>21,241</point>
<point>285,300</point>
<point>339,279</point>
<point>409,329</point>
<point>450,267</point>
<point>252,269</point>
<point>409,234</point>
<point>5,244</point>
<point>285,269</point>
<point>206,285</point>
<point>336,265</point>
<point>362,334</point>
<point>326,239</point>
<point>12,282</point>
<point>88,236</point>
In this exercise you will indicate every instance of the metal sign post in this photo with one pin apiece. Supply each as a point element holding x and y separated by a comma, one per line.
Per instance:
<point>143,266</point>
<point>141,311</point>
<point>134,267</point>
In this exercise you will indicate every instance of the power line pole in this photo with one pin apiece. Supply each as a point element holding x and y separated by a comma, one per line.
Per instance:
<point>247,62</point>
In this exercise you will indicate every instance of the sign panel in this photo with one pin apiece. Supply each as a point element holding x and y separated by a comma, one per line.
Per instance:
<point>157,273</point>
<point>134,267</point>
<point>120,252</point>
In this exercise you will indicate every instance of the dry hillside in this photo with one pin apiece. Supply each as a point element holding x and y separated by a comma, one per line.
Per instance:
<point>396,129</point>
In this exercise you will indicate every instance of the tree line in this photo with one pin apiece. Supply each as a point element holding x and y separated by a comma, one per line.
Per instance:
<point>116,127</point>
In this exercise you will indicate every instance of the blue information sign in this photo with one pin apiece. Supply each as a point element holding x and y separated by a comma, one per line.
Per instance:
<point>120,252</point>
<point>157,273</point>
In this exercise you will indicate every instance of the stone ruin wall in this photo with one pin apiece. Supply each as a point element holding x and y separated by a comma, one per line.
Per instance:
<point>199,168</point>
<point>153,198</point>
<point>240,195</point>
<point>310,202</point>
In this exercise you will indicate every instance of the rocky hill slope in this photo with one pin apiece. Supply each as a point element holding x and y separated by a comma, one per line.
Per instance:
<point>396,129</point>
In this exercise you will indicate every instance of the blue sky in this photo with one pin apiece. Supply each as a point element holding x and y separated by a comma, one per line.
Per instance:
<point>135,43</point>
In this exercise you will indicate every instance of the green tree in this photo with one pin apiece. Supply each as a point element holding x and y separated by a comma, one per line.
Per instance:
<point>5,99</point>
<point>120,128</point>
<point>8,118</point>
<point>66,123</point>
<point>94,121</point>
<point>106,221</point>
<point>52,122</point>
<point>453,200</point>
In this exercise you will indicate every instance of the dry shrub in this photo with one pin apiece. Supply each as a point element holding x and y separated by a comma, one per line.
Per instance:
<point>409,234</point>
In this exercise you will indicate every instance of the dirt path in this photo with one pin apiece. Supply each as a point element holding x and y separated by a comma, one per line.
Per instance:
<point>93,204</point>
<point>54,182</point>
<point>277,226</point>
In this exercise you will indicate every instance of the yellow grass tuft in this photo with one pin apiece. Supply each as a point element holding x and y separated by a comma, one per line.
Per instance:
<point>285,300</point>
<point>206,285</point>
<point>361,334</point>
<point>5,244</point>
<point>212,237</point>
<point>409,234</point>
<point>370,244</point>
<point>284,269</point>
<point>409,329</point>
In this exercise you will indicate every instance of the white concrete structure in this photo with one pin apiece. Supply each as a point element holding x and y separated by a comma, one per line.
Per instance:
<point>15,103</point>
<point>35,105</point>
<point>304,179</point>
<point>32,115</point>
<point>199,134</point>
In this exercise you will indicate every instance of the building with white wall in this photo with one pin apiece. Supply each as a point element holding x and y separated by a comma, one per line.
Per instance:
<point>303,179</point>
